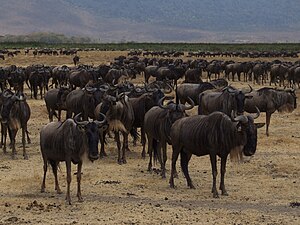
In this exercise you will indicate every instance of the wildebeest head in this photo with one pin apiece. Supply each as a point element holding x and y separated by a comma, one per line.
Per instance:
<point>91,130</point>
<point>239,98</point>
<point>9,100</point>
<point>288,100</point>
<point>248,131</point>
<point>175,110</point>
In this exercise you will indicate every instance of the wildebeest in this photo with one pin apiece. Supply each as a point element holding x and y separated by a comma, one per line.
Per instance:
<point>55,99</point>
<point>76,59</point>
<point>224,101</point>
<point>2,57</point>
<point>269,100</point>
<point>215,135</point>
<point>141,105</point>
<point>120,117</point>
<point>157,123</point>
<point>68,141</point>
<point>15,113</point>
<point>187,90</point>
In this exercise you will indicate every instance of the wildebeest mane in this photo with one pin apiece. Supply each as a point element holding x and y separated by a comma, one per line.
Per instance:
<point>215,130</point>
<point>66,138</point>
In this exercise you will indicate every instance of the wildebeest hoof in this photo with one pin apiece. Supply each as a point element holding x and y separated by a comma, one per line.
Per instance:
<point>192,186</point>
<point>26,157</point>
<point>215,195</point>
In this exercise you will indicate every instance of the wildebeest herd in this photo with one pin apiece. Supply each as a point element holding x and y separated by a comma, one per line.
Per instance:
<point>106,100</point>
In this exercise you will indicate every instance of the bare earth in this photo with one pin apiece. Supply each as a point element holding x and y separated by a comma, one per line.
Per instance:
<point>261,191</point>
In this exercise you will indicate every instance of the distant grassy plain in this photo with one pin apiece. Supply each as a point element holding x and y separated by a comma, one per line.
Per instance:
<point>160,46</point>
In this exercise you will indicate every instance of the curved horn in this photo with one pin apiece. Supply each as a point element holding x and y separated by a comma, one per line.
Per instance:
<point>90,89</point>
<point>230,89</point>
<point>169,90</point>
<point>7,94</point>
<point>191,102</point>
<point>251,89</point>
<point>257,114</point>
<point>241,118</point>
<point>160,103</point>
<point>80,123</point>
<point>100,122</point>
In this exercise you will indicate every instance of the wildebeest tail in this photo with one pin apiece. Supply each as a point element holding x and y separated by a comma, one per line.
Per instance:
<point>134,134</point>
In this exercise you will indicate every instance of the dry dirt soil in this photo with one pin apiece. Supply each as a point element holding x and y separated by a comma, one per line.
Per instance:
<point>264,190</point>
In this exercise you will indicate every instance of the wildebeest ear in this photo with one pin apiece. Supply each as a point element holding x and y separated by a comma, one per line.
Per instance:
<point>259,125</point>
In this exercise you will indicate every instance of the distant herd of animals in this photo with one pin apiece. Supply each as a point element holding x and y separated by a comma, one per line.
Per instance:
<point>104,100</point>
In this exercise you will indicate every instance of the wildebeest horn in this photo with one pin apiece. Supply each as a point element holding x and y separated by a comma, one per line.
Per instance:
<point>191,102</point>
<point>257,114</point>
<point>160,103</point>
<point>251,89</point>
<point>169,89</point>
<point>90,89</point>
<point>241,118</point>
<point>7,94</point>
<point>104,87</point>
<point>100,122</point>
<point>229,89</point>
<point>80,123</point>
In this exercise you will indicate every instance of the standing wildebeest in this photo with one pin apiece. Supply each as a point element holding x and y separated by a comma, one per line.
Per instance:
<point>215,134</point>
<point>158,121</point>
<point>192,91</point>
<point>141,105</point>
<point>55,99</point>
<point>68,141</point>
<point>278,72</point>
<point>84,101</point>
<point>113,75</point>
<point>224,101</point>
<point>15,113</point>
<point>269,100</point>
<point>193,76</point>
<point>76,59</point>
<point>120,117</point>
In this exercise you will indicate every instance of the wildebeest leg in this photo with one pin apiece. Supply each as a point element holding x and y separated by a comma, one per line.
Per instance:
<point>117,139</point>
<point>23,143</point>
<point>3,137</point>
<point>143,140</point>
<point>79,166</point>
<point>268,120</point>
<point>184,162</point>
<point>44,178</point>
<point>150,151</point>
<point>164,160</point>
<point>12,134</point>
<point>54,169</point>
<point>69,178</point>
<point>213,161</point>
<point>124,147</point>
<point>223,170</point>
<point>27,134</point>
<point>175,155</point>
<point>102,142</point>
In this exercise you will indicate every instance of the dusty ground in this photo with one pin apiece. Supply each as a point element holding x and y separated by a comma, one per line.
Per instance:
<point>261,191</point>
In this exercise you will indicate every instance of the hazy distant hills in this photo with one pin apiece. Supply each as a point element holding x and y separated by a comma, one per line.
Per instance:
<point>156,20</point>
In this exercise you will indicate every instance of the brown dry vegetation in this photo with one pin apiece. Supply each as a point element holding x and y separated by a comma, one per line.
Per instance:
<point>260,191</point>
